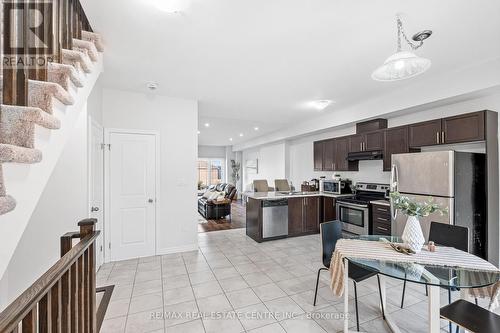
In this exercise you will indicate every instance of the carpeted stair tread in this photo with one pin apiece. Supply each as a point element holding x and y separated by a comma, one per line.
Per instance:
<point>7,204</point>
<point>77,59</point>
<point>17,124</point>
<point>95,38</point>
<point>41,93</point>
<point>62,74</point>
<point>16,154</point>
<point>86,47</point>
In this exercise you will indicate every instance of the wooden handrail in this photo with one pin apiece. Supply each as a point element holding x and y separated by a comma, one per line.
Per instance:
<point>47,293</point>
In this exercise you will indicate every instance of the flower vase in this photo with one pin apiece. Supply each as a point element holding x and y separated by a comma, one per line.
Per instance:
<point>412,236</point>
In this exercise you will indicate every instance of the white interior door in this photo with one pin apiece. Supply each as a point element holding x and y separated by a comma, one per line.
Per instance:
<point>132,188</point>
<point>96,190</point>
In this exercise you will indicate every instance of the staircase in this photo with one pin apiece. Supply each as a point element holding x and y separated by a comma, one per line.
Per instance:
<point>39,107</point>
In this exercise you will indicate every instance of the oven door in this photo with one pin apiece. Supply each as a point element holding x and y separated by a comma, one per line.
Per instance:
<point>354,218</point>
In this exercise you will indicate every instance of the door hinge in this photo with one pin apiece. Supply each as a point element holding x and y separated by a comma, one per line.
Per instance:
<point>104,145</point>
<point>101,248</point>
<point>109,245</point>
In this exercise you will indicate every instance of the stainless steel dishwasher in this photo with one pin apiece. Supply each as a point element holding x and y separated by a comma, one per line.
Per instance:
<point>274,218</point>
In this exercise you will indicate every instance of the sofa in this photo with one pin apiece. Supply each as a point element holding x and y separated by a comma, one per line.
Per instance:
<point>210,208</point>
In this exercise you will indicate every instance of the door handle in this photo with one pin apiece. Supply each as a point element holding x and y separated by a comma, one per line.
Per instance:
<point>151,200</point>
<point>94,209</point>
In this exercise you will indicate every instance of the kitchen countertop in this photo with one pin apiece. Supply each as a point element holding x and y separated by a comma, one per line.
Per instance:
<point>283,195</point>
<point>381,203</point>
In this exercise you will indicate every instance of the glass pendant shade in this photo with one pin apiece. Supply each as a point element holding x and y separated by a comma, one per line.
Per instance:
<point>401,65</point>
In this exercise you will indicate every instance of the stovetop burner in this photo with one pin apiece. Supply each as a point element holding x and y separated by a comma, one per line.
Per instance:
<point>365,193</point>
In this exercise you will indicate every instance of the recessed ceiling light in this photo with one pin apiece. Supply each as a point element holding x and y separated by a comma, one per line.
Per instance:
<point>152,86</point>
<point>199,132</point>
<point>230,139</point>
<point>241,134</point>
<point>207,125</point>
<point>321,104</point>
<point>255,128</point>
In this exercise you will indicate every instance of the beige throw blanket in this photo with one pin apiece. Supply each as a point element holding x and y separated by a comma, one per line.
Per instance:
<point>444,256</point>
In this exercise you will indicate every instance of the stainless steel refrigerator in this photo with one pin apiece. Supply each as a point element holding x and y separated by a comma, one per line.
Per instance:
<point>452,179</point>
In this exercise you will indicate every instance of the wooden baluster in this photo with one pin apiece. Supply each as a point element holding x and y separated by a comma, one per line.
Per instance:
<point>44,314</point>
<point>74,298</point>
<point>29,322</point>
<point>81,296</point>
<point>70,23</point>
<point>87,227</point>
<point>66,244</point>
<point>56,306</point>
<point>86,287</point>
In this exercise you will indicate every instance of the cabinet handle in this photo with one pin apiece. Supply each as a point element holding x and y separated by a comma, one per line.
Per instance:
<point>364,146</point>
<point>361,146</point>
<point>442,137</point>
<point>384,229</point>
<point>382,209</point>
<point>437,137</point>
<point>382,219</point>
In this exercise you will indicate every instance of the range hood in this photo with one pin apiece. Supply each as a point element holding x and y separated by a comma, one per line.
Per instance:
<point>366,155</point>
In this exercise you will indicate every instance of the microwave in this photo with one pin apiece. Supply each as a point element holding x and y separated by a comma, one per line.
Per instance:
<point>335,186</point>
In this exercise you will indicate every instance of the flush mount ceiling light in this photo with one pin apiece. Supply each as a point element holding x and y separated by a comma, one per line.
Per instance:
<point>152,86</point>
<point>171,6</point>
<point>320,105</point>
<point>404,64</point>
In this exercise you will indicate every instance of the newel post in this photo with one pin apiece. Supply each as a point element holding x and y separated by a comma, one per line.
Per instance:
<point>87,227</point>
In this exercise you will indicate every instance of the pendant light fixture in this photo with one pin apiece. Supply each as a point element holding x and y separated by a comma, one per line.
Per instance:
<point>404,64</point>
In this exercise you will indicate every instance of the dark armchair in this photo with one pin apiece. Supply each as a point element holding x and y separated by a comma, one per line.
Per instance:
<point>211,208</point>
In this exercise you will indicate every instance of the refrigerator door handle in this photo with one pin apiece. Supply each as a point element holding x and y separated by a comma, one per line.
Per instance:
<point>394,188</point>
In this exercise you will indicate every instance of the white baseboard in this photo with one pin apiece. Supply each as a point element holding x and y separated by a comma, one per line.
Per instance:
<point>177,249</point>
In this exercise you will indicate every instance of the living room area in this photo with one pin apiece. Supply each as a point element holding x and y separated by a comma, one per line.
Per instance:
<point>220,206</point>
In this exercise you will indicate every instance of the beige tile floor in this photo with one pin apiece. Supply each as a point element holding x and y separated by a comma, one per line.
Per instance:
<point>233,284</point>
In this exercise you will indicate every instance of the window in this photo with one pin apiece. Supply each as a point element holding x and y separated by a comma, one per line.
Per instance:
<point>210,172</point>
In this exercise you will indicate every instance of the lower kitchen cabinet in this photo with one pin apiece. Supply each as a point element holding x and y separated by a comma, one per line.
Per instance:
<point>329,210</point>
<point>380,220</point>
<point>303,215</point>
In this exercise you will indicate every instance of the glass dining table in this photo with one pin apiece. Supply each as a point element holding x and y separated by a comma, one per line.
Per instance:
<point>434,277</point>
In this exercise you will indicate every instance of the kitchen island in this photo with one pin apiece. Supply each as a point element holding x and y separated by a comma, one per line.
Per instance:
<point>275,215</point>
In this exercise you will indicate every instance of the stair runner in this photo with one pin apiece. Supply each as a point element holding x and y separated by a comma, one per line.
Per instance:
<point>18,123</point>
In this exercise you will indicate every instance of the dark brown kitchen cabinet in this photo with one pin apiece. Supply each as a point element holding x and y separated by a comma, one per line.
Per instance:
<point>341,152</point>
<point>318,155</point>
<point>366,142</point>
<point>329,211</point>
<point>311,214</point>
<point>396,142</point>
<point>295,216</point>
<point>380,219</point>
<point>329,155</point>
<point>303,215</point>
<point>463,128</point>
<point>427,133</point>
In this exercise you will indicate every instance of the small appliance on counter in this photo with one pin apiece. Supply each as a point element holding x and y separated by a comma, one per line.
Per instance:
<point>311,186</point>
<point>331,186</point>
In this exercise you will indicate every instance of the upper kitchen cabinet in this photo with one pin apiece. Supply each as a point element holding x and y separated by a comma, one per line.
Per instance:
<point>427,133</point>
<point>318,155</point>
<point>366,142</point>
<point>341,153</point>
<point>329,155</point>
<point>463,128</point>
<point>396,142</point>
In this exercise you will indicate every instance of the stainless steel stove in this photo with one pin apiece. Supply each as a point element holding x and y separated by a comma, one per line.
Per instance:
<point>354,211</point>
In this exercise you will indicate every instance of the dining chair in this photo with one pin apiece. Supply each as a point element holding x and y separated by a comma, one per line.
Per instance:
<point>331,232</point>
<point>260,185</point>
<point>282,185</point>
<point>450,236</point>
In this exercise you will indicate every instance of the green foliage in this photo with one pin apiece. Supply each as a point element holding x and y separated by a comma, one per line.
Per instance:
<point>235,166</point>
<point>413,208</point>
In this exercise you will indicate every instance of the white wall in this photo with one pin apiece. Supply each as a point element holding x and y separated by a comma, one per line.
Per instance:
<point>271,164</point>
<point>94,102</point>
<point>177,122</point>
<point>62,204</point>
<point>211,151</point>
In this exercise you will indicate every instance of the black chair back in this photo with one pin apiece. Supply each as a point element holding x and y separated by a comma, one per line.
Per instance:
<point>331,232</point>
<point>450,235</point>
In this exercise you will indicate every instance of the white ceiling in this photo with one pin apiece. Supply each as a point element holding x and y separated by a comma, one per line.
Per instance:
<point>256,62</point>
